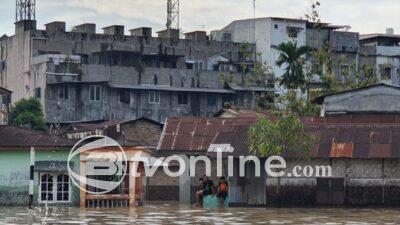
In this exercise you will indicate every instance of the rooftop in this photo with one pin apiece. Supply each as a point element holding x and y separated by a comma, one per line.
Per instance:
<point>4,91</point>
<point>15,137</point>
<point>364,137</point>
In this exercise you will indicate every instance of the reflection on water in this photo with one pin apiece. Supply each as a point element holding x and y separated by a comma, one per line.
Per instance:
<point>172,213</point>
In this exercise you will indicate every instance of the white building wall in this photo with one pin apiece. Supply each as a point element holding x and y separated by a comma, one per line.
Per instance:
<point>267,37</point>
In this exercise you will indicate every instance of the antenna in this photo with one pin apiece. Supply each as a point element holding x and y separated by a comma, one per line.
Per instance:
<point>173,14</point>
<point>25,10</point>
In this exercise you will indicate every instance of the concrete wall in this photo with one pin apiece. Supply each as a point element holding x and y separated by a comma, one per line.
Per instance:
<point>14,175</point>
<point>366,182</point>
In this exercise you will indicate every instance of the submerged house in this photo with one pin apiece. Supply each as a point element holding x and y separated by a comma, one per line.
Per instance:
<point>362,150</point>
<point>52,183</point>
<point>138,136</point>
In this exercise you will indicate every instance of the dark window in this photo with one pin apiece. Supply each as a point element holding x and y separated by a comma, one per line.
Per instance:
<point>386,73</point>
<point>216,67</point>
<point>183,99</point>
<point>189,66</point>
<point>95,93</point>
<point>211,100</point>
<point>276,26</point>
<point>292,32</point>
<point>38,93</point>
<point>85,59</point>
<point>124,96</point>
<point>155,80</point>
<point>63,92</point>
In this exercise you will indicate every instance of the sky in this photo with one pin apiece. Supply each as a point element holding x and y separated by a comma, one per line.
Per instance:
<point>364,16</point>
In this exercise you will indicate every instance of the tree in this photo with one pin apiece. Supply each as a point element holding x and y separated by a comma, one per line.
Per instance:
<point>28,113</point>
<point>283,134</point>
<point>292,57</point>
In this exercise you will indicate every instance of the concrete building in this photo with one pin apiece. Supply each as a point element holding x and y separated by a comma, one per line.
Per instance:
<point>268,33</point>
<point>382,52</point>
<point>380,98</point>
<point>85,76</point>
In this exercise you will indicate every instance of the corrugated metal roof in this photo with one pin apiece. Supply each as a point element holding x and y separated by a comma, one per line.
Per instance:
<point>15,137</point>
<point>334,139</point>
<point>4,91</point>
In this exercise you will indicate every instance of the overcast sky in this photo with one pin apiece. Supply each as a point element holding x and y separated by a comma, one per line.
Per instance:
<point>364,16</point>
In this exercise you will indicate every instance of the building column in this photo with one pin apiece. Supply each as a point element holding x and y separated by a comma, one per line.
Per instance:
<point>185,186</point>
<point>82,201</point>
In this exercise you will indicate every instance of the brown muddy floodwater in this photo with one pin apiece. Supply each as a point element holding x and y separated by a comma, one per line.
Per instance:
<point>172,213</point>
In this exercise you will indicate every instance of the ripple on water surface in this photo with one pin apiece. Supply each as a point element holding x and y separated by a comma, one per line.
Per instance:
<point>172,213</point>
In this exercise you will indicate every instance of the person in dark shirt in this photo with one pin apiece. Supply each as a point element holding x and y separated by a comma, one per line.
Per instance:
<point>208,189</point>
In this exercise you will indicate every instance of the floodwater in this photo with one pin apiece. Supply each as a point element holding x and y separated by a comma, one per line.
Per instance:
<point>172,213</point>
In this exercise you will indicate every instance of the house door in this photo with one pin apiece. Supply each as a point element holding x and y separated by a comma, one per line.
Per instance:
<point>256,186</point>
<point>330,191</point>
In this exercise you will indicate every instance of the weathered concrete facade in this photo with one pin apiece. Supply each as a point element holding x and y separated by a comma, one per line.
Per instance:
<point>81,76</point>
<point>380,98</point>
<point>382,52</point>
<point>270,32</point>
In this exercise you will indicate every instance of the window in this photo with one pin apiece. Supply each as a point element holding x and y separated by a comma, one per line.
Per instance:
<point>199,65</point>
<point>386,73</point>
<point>183,99</point>
<point>124,96</point>
<point>293,32</point>
<point>211,100</point>
<point>276,26</point>
<point>38,93</point>
<point>54,188</point>
<point>95,93</point>
<point>154,97</point>
<point>216,67</point>
<point>63,92</point>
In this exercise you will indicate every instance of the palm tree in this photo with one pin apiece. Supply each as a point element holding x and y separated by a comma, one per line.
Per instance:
<point>291,56</point>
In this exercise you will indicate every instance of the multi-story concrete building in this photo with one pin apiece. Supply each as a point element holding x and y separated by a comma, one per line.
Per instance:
<point>268,33</point>
<point>382,52</point>
<point>82,75</point>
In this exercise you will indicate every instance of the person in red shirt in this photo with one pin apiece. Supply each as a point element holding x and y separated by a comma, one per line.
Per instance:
<point>222,191</point>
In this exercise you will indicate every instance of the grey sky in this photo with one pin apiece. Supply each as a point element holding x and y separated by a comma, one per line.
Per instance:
<point>364,16</point>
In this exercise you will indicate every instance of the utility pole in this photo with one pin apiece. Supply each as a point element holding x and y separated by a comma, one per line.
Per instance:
<point>172,14</point>
<point>254,30</point>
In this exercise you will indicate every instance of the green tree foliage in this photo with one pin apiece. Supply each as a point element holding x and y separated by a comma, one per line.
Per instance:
<point>28,113</point>
<point>274,136</point>
<point>293,58</point>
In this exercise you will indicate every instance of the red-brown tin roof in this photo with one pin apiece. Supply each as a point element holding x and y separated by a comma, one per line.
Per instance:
<point>367,136</point>
<point>14,137</point>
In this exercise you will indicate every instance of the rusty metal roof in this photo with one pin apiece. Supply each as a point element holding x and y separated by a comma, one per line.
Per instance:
<point>365,137</point>
<point>15,137</point>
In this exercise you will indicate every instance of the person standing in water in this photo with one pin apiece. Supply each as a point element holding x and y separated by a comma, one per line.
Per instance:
<point>222,191</point>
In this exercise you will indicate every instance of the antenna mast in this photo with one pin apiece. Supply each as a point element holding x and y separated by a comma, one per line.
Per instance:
<point>25,10</point>
<point>173,14</point>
